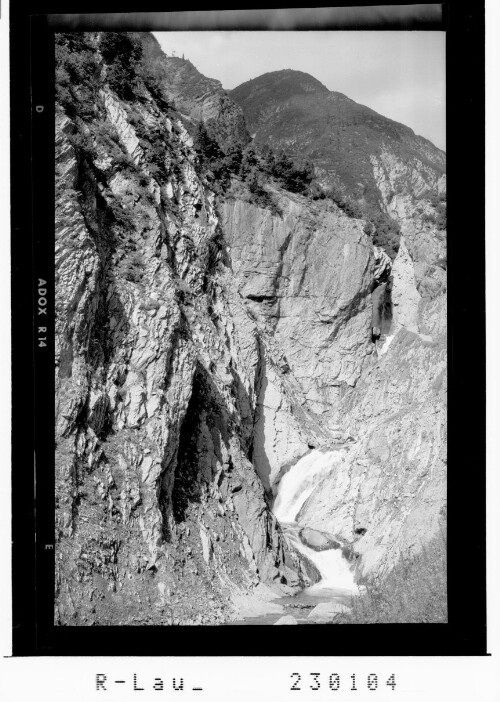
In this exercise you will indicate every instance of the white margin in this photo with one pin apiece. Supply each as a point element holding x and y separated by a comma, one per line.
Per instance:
<point>492,326</point>
<point>5,344</point>
<point>257,678</point>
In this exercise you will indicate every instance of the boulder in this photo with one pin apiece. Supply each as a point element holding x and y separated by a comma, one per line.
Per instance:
<point>287,619</point>
<point>325,612</point>
<point>317,540</point>
<point>289,576</point>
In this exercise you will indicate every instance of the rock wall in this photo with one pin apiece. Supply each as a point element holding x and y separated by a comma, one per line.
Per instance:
<point>160,513</point>
<point>389,494</point>
<point>306,276</point>
<point>389,497</point>
<point>316,285</point>
<point>197,98</point>
<point>410,191</point>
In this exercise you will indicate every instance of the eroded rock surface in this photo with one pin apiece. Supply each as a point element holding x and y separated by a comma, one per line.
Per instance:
<point>197,97</point>
<point>306,277</point>
<point>325,612</point>
<point>317,540</point>
<point>158,503</point>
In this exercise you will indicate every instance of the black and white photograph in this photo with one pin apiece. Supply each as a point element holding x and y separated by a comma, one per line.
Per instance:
<point>248,354</point>
<point>251,332</point>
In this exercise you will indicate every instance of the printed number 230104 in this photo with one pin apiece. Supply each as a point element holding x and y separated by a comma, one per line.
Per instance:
<point>348,683</point>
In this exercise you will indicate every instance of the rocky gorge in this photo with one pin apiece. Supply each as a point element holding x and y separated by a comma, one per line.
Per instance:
<point>212,334</point>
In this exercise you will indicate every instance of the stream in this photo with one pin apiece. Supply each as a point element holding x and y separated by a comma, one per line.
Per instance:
<point>337,579</point>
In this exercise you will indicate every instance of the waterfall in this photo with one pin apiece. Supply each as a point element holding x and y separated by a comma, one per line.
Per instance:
<point>385,345</point>
<point>293,490</point>
<point>333,567</point>
<point>296,485</point>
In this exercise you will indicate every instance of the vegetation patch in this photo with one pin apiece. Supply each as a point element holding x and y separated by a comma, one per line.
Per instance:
<point>413,592</point>
<point>255,169</point>
<point>383,230</point>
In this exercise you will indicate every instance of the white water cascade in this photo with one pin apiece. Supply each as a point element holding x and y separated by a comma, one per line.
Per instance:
<point>293,490</point>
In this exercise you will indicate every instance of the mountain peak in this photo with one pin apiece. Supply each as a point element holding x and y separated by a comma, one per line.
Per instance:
<point>293,111</point>
<point>283,84</point>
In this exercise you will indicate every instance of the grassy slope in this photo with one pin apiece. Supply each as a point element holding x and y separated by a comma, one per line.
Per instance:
<point>291,110</point>
<point>413,592</point>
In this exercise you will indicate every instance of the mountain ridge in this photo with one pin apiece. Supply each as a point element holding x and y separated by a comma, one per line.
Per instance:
<point>197,97</point>
<point>271,77</point>
<point>331,129</point>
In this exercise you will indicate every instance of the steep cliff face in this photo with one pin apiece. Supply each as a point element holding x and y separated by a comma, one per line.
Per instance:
<point>205,342</point>
<point>306,277</point>
<point>389,494</point>
<point>415,195</point>
<point>158,372</point>
<point>196,97</point>
<point>395,497</point>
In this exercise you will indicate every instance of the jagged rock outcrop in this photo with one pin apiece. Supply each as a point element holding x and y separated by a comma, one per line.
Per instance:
<point>415,194</point>
<point>306,276</point>
<point>196,97</point>
<point>160,514</point>
<point>389,494</point>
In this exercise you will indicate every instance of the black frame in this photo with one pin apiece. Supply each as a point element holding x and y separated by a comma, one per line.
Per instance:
<point>32,160</point>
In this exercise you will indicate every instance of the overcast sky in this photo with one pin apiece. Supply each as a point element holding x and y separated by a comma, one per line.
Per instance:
<point>399,74</point>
